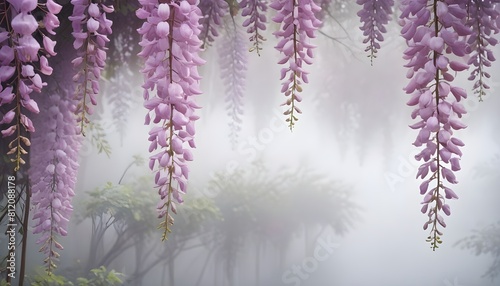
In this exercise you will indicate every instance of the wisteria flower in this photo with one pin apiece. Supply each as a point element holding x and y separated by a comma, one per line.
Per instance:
<point>170,47</point>
<point>53,174</point>
<point>233,61</point>
<point>22,58</point>
<point>298,25</point>
<point>434,34</point>
<point>91,28</point>
<point>255,11</point>
<point>374,15</point>
<point>213,12</point>
<point>482,17</point>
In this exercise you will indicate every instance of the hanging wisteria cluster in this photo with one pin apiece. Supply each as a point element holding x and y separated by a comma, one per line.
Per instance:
<point>434,34</point>
<point>212,13</point>
<point>255,22</point>
<point>443,38</point>
<point>298,25</point>
<point>170,47</point>
<point>23,56</point>
<point>484,19</point>
<point>54,172</point>
<point>374,15</point>
<point>90,30</point>
<point>233,60</point>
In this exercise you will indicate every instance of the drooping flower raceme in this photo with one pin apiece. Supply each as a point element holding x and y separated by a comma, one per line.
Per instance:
<point>255,11</point>
<point>53,172</point>
<point>482,17</point>
<point>374,15</point>
<point>233,67</point>
<point>120,95</point>
<point>22,59</point>
<point>213,11</point>
<point>298,25</point>
<point>121,88</point>
<point>170,47</point>
<point>90,30</point>
<point>435,36</point>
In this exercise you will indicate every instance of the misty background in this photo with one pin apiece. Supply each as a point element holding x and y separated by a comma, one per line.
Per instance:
<point>352,144</point>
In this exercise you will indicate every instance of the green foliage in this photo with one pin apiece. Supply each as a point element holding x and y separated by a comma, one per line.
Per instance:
<point>261,207</point>
<point>138,160</point>
<point>127,203</point>
<point>196,215</point>
<point>133,203</point>
<point>101,277</point>
<point>98,277</point>
<point>42,278</point>
<point>123,215</point>
<point>257,200</point>
<point>98,137</point>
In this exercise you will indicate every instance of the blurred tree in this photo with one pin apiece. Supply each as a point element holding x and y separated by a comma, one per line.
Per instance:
<point>261,207</point>
<point>122,219</point>
<point>485,241</point>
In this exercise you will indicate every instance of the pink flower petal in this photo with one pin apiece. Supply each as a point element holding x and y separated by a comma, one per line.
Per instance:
<point>92,25</point>
<point>162,29</point>
<point>24,24</point>
<point>49,45</point>
<point>9,131</point>
<point>8,117</point>
<point>53,7</point>
<point>446,209</point>
<point>94,11</point>
<point>163,11</point>
<point>44,66</point>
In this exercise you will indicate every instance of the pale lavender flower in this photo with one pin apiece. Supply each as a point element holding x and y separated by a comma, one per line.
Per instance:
<point>213,11</point>
<point>482,17</point>
<point>298,25</point>
<point>121,94</point>
<point>434,34</point>
<point>170,47</point>
<point>233,68</point>
<point>255,11</point>
<point>374,15</point>
<point>20,74</point>
<point>122,88</point>
<point>91,28</point>
<point>53,172</point>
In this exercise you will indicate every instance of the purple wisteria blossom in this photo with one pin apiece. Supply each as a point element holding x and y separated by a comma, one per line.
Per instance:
<point>22,59</point>
<point>170,47</point>
<point>213,11</point>
<point>255,11</point>
<point>374,15</point>
<point>435,36</point>
<point>53,172</point>
<point>90,30</point>
<point>233,67</point>
<point>483,17</point>
<point>298,25</point>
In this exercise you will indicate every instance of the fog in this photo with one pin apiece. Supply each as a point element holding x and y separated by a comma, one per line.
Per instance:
<point>353,136</point>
